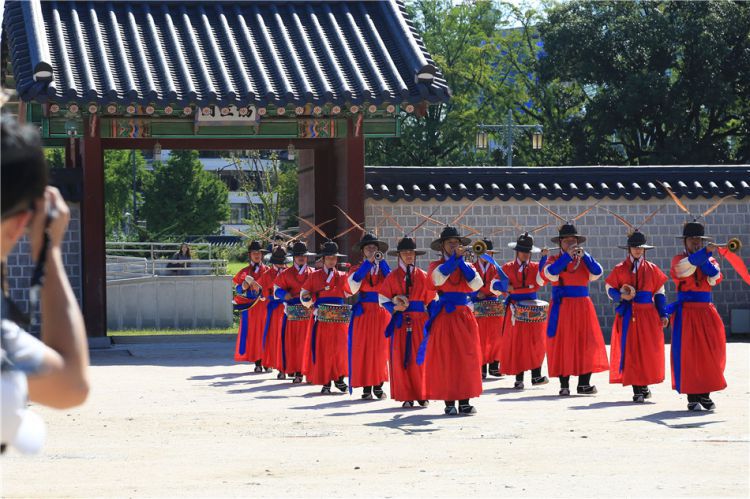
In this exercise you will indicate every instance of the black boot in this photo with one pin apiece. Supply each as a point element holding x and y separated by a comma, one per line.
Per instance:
<point>494,369</point>
<point>465,408</point>
<point>367,393</point>
<point>341,384</point>
<point>564,386</point>
<point>537,378</point>
<point>258,367</point>
<point>584,385</point>
<point>450,408</point>
<point>326,390</point>
<point>377,390</point>
<point>484,371</point>
<point>518,385</point>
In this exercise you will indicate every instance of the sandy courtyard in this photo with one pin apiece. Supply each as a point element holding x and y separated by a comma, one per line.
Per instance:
<point>179,418</point>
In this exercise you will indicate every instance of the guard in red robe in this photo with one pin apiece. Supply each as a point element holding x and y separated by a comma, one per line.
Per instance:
<point>636,285</point>
<point>699,350</point>
<point>490,325</point>
<point>297,319</point>
<point>367,345</point>
<point>451,348</point>
<point>325,290</point>
<point>406,293</point>
<point>272,353</point>
<point>523,342</point>
<point>575,345</point>
<point>248,300</point>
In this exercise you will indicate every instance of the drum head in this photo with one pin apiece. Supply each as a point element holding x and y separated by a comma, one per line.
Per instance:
<point>533,303</point>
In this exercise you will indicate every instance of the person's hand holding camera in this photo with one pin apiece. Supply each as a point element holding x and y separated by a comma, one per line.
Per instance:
<point>51,213</point>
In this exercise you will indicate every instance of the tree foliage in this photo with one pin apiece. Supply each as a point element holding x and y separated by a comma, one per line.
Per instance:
<point>662,82</point>
<point>610,82</point>
<point>183,199</point>
<point>118,190</point>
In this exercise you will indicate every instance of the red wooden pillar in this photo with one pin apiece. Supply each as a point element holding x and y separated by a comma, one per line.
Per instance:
<point>350,172</point>
<point>93,258</point>
<point>325,191</point>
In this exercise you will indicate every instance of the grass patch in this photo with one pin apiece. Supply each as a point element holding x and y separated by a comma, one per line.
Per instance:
<point>234,267</point>
<point>169,332</point>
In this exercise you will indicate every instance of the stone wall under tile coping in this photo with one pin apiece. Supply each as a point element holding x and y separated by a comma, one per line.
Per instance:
<point>604,233</point>
<point>20,267</point>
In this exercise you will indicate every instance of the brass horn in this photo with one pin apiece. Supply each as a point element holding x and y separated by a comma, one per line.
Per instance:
<point>479,247</point>
<point>733,245</point>
<point>379,256</point>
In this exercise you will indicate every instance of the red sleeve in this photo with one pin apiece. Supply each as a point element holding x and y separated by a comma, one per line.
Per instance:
<point>309,284</point>
<point>240,276</point>
<point>613,279</point>
<point>672,271</point>
<point>386,287</point>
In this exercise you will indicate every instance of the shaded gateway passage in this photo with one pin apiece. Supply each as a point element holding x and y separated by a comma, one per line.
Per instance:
<point>320,76</point>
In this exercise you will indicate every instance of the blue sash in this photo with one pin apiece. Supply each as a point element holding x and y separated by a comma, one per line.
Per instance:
<point>293,301</point>
<point>272,305</point>
<point>448,301</point>
<point>321,301</point>
<point>244,318</point>
<point>396,322</point>
<point>558,293</point>
<point>676,307</point>
<point>625,310</point>
<point>357,310</point>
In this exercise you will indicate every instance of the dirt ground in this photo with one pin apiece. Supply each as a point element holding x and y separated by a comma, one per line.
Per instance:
<point>179,418</point>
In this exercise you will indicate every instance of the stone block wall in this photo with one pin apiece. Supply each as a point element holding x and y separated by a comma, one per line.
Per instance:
<point>21,268</point>
<point>604,233</point>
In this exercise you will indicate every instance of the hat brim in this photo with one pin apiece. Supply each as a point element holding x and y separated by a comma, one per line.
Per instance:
<point>642,246</point>
<point>321,255</point>
<point>437,244</point>
<point>382,245</point>
<point>416,252</point>
<point>525,249</point>
<point>556,239</point>
<point>705,238</point>
<point>307,253</point>
<point>264,251</point>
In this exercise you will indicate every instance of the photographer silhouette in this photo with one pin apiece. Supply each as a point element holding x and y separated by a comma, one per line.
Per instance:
<point>52,371</point>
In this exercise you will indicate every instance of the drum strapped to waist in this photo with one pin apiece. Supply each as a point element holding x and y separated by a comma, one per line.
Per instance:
<point>297,312</point>
<point>530,311</point>
<point>489,308</point>
<point>334,313</point>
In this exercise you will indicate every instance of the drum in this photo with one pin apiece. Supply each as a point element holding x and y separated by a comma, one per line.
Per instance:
<point>334,313</point>
<point>530,311</point>
<point>297,312</point>
<point>489,308</point>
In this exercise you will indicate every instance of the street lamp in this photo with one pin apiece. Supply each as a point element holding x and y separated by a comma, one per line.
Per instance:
<point>509,128</point>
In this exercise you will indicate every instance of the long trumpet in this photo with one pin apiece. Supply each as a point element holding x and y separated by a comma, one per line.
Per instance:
<point>733,245</point>
<point>379,256</point>
<point>475,250</point>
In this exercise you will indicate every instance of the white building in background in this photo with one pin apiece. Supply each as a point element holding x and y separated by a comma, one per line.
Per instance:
<point>229,172</point>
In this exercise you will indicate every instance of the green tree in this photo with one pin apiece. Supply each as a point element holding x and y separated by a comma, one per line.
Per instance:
<point>288,190</point>
<point>118,190</point>
<point>184,198</point>
<point>659,82</point>
<point>463,39</point>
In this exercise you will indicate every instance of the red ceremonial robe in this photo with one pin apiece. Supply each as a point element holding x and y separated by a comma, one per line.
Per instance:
<point>330,361</point>
<point>644,346</point>
<point>578,345</point>
<point>490,328</point>
<point>453,360</point>
<point>407,377</point>
<point>296,336</point>
<point>523,342</point>
<point>369,355</point>
<point>249,345</point>
<point>272,326</point>
<point>703,349</point>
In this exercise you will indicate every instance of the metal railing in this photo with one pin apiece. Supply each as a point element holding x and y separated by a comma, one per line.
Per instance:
<point>155,250</point>
<point>127,260</point>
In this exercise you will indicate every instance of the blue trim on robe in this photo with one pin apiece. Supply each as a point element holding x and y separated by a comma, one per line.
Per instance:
<point>357,310</point>
<point>558,293</point>
<point>625,311</point>
<point>396,322</point>
<point>676,307</point>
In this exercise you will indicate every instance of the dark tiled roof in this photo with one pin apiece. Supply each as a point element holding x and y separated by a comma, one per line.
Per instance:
<point>581,182</point>
<point>222,53</point>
